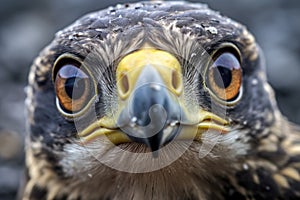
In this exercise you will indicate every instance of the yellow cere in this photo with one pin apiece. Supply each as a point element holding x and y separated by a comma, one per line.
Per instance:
<point>131,66</point>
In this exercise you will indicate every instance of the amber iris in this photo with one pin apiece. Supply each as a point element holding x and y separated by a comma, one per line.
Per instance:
<point>225,76</point>
<point>72,87</point>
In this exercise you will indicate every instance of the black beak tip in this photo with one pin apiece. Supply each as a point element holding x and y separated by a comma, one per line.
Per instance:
<point>154,144</point>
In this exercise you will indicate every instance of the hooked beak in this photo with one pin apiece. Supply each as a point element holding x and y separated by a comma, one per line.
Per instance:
<point>149,85</point>
<point>152,113</point>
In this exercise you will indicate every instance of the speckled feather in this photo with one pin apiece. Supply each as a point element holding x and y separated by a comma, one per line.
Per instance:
<point>259,160</point>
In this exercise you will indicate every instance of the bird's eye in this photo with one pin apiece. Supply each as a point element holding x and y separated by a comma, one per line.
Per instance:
<point>224,76</point>
<point>73,87</point>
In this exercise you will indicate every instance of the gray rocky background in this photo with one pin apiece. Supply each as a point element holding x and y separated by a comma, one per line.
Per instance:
<point>27,26</point>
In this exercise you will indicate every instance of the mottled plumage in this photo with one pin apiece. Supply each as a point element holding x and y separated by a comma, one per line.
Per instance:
<point>259,158</point>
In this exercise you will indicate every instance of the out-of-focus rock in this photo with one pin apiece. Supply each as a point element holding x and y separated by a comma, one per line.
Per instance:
<point>9,181</point>
<point>11,145</point>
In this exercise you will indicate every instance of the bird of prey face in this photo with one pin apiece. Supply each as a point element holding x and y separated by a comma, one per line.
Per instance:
<point>156,100</point>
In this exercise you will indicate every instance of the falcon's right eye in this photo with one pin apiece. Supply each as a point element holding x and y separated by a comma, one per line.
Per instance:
<point>73,87</point>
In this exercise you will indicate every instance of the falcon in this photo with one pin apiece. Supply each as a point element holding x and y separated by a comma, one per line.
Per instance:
<point>156,100</point>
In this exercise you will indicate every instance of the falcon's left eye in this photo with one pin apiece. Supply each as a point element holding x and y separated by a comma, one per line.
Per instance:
<point>73,87</point>
<point>224,75</point>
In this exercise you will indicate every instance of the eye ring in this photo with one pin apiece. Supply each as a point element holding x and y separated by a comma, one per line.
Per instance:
<point>223,74</point>
<point>74,84</point>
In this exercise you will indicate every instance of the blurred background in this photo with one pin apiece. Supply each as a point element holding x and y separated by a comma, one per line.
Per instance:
<point>27,26</point>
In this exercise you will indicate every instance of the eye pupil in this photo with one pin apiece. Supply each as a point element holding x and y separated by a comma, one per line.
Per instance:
<point>222,76</point>
<point>74,81</point>
<point>74,87</point>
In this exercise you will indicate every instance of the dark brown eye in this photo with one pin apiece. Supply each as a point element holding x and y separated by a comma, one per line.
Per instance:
<point>225,76</point>
<point>73,88</point>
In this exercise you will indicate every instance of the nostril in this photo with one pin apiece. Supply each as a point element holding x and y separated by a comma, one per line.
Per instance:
<point>175,80</point>
<point>124,83</point>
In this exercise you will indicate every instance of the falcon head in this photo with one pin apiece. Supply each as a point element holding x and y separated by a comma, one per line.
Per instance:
<point>164,95</point>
